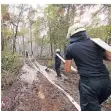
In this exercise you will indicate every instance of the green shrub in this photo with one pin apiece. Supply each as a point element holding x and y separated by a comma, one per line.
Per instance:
<point>50,63</point>
<point>9,60</point>
<point>10,66</point>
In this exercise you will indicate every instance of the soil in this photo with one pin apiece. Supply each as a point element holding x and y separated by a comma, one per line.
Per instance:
<point>33,92</point>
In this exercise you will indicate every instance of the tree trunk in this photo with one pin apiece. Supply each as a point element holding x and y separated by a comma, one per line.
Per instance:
<point>51,49</point>
<point>14,40</point>
<point>51,46</point>
<point>31,39</point>
<point>42,47</point>
<point>66,30</point>
<point>14,48</point>
<point>73,14</point>
<point>23,46</point>
<point>2,42</point>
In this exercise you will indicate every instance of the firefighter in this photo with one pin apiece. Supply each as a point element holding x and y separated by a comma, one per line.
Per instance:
<point>57,63</point>
<point>26,53</point>
<point>94,84</point>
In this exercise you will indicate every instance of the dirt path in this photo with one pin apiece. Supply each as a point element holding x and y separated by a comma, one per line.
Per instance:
<point>33,92</point>
<point>70,85</point>
<point>53,79</point>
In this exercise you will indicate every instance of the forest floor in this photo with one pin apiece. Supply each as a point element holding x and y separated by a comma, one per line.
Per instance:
<point>37,89</point>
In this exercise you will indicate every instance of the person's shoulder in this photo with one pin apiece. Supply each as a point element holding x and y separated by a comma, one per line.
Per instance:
<point>91,42</point>
<point>88,40</point>
<point>95,45</point>
<point>70,46</point>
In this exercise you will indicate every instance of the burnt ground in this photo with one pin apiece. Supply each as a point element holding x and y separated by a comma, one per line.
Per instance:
<point>70,85</point>
<point>41,95</point>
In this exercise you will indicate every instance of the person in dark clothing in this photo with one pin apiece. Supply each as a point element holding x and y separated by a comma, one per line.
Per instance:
<point>57,63</point>
<point>94,84</point>
<point>26,52</point>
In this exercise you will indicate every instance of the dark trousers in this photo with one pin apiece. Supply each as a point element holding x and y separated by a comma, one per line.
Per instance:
<point>58,72</point>
<point>94,91</point>
<point>57,68</point>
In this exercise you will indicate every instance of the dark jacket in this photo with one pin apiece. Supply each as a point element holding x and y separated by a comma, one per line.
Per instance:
<point>87,55</point>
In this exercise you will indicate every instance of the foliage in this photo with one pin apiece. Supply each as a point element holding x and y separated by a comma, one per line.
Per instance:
<point>50,63</point>
<point>103,32</point>
<point>23,31</point>
<point>6,32</point>
<point>4,9</point>
<point>53,24</point>
<point>42,31</point>
<point>10,66</point>
<point>9,60</point>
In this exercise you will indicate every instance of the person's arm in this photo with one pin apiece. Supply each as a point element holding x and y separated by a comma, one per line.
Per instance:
<point>68,61</point>
<point>67,66</point>
<point>107,55</point>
